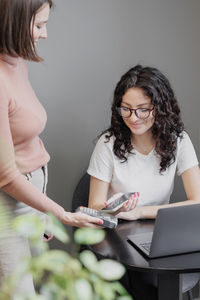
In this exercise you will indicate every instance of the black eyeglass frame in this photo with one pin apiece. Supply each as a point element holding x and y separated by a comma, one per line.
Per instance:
<point>135,111</point>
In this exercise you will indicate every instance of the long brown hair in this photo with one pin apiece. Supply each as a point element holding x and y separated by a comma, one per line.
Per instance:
<point>15,27</point>
<point>168,125</point>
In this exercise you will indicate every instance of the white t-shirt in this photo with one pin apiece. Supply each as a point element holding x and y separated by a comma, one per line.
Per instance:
<point>140,173</point>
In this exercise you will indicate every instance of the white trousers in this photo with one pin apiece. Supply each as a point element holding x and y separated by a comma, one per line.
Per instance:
<point>15,247</point>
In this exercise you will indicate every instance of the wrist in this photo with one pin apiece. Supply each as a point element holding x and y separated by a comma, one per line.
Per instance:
<point>66,217</point>
<point>140,212</point>
<point>149,212</point>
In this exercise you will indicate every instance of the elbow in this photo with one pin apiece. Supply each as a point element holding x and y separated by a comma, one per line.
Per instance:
<point>95,206</point>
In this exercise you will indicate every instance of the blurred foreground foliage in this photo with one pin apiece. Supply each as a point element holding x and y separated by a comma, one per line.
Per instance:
<point>56,273</point>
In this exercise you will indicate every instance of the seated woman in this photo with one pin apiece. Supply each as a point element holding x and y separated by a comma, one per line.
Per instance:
<point>143,149</point>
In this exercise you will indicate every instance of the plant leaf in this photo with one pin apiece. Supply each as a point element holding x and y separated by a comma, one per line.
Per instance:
<point>83,290</point>
<point>89,260</point>
<point>89,236</point>
<point>58,229</point>
<point>118,287</point>
<point>110,270</point>
<point>29,226</point>
<point>124,298</point>
<point>53,260</point>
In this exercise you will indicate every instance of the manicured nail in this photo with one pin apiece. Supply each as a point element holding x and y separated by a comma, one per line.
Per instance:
<point>138,194</point>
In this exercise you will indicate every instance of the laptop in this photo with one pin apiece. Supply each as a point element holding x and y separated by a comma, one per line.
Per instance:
<point>176,231</point>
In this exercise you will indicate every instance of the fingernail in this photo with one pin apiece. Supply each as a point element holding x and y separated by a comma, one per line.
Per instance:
<point>138,194</point>
<point>134,195</point>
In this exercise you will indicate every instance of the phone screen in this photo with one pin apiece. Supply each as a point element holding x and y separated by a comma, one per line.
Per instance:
<point>117,203</point>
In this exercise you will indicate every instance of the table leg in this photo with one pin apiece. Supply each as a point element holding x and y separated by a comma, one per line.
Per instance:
<point>169,286</point>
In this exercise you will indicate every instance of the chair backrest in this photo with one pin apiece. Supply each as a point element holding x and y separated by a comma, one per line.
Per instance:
<point>81,192</point>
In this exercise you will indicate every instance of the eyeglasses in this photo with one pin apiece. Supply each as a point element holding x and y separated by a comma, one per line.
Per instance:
<point>141,113</point>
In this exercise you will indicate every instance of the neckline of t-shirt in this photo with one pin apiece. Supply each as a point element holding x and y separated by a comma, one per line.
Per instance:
<point>145,156</point>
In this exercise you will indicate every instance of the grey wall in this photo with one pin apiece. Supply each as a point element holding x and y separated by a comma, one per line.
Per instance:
<point>90,45</point>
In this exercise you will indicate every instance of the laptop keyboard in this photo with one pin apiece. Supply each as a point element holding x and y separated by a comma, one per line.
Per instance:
<point>146,246</point>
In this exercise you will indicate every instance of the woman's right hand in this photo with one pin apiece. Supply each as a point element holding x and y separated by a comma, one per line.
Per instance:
<point>79,219</point>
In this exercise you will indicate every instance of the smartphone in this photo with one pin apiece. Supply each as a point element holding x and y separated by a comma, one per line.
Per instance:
<point>117,203</point>
<point>109,221</point>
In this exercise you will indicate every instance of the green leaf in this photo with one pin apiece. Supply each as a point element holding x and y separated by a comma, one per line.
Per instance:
<point>58,229</point>
<point>28,297</point>
<point>29,226</point>
<point>89,260</point>
<point>110,270</point>
<point>107,292</point>
<point>50,291</point>
<point>83,290</point>
<point>75,265</point>
<point>89,236</point>
<point>125,298</point>
<point>53,260</point>
<point>118,287</point>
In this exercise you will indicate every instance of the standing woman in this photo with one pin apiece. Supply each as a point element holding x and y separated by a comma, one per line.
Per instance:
<point>142,151</point>
<point>23,157</point>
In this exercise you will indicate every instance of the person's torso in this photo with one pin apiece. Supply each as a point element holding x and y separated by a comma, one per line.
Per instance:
<point>27,117</point>
<point>140,173</point>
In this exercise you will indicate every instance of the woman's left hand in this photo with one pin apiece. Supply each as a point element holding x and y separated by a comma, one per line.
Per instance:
<point>130,215</point>
<point>130,204</point>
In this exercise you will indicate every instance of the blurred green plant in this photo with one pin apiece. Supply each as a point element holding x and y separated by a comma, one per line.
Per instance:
<point>58,275</point>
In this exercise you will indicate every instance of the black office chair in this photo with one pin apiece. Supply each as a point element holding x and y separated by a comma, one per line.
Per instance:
<point>81,193</point>
<point>80,197</point>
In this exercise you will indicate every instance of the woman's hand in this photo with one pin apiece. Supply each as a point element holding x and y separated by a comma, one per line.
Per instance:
<point>79,219</point>
<point>130,215</point>
<point>129,211</point>
<point>130,204</point>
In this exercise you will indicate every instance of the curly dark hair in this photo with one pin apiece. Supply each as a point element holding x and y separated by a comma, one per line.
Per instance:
<point>167,126</point>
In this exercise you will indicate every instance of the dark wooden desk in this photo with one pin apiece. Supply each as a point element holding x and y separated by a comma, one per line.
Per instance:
<point>169,269</point>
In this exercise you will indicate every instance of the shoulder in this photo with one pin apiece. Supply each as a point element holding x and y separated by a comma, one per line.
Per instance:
<point>106,141</point>
<point>104,146</point>
<point>183,140</point>
<point>186,155</point>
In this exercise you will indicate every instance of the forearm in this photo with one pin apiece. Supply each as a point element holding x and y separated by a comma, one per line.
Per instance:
<point>95,204</point>
<point>150,212</point>
<point>98,193</point>
<point>24,191</point>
